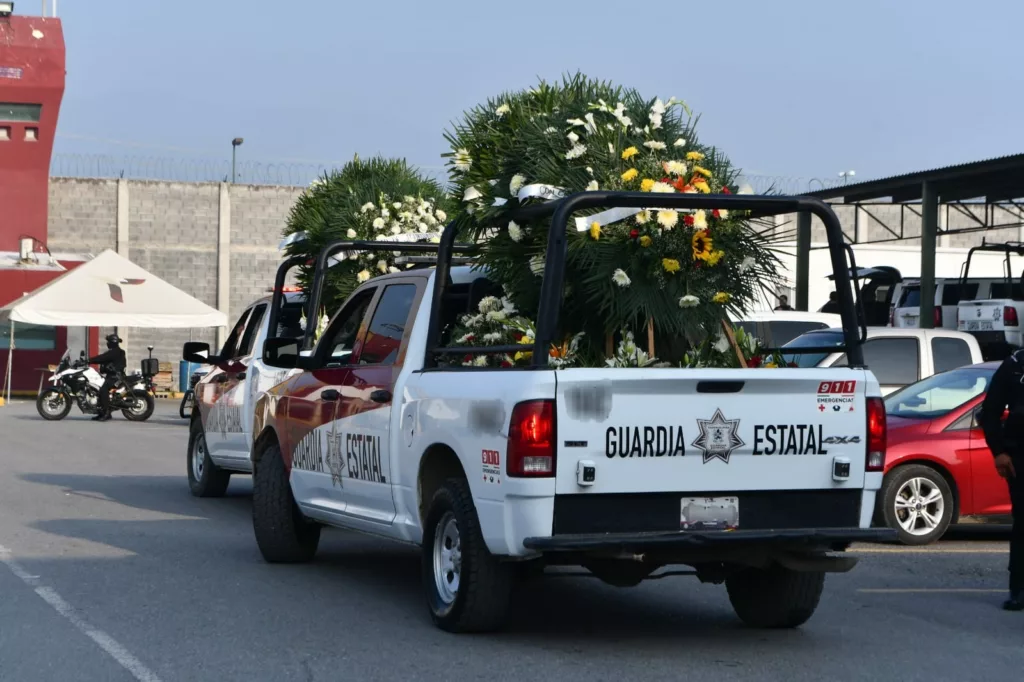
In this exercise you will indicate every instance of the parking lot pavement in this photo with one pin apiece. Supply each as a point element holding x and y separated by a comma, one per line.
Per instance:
<point>110,570</point>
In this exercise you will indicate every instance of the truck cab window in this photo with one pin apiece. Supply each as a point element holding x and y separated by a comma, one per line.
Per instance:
<point>384,338</point>
<point>343,333</point>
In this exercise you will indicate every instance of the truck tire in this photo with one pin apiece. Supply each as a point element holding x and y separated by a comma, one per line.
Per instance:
<point>775,597</point>
<point>467,588</point>
<point>917,503</point>
<point>283,534</point>
<point>205,479</point>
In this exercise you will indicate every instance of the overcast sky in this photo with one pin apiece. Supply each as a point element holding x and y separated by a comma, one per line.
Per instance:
<point>791,87</point>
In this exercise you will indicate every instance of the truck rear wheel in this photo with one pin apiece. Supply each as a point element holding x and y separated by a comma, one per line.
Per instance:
<point>283,533</point>
<point>775,597</point>
<point>205,479</point>
<point>467,588</point>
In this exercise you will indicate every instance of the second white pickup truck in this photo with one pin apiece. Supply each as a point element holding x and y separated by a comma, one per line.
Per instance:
<point>498,473</point>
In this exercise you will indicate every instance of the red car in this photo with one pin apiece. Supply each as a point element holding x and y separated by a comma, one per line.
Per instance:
<point>937,465</point>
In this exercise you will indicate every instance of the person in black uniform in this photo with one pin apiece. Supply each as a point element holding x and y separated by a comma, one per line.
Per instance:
<point>832,306</point>
<point>112,363</point>
<point>1006,441</point>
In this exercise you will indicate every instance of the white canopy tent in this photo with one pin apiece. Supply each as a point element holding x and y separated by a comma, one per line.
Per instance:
<point>109,291</point>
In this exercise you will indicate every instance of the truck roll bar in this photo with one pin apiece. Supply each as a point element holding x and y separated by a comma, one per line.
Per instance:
<point>561,211</point>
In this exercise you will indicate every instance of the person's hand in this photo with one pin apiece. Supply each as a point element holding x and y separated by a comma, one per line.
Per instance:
<point>1004,465</point>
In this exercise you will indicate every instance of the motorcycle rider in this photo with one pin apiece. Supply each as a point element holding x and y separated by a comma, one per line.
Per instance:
<point>112,363</point>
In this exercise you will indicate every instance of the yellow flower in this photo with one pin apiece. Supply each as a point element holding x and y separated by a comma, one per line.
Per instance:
<point>629,153</point>
<point>646,185</point>
<point>668,219</point>
<point>595,230</point>
<point>703,171</point>
<point>721,297</point>
<point>702,187</point>
<point>769,364</point>
<point>715,256</point>
<point>701,244</point>
<point>523,354</point>
<point>643,217</point>
<point>630,175</point>
<point>645,241</point>
<point>670,264</point>
<point>700,220</point>
<point>694,156</point>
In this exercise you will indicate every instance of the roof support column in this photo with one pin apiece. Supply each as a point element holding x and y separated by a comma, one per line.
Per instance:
<point>929,230</point>
<point>803,258</point>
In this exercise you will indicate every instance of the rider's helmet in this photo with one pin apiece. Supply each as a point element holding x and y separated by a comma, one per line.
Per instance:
<point>113,340</point>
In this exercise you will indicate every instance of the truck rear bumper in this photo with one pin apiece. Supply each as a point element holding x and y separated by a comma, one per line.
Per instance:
<point>782,539</point>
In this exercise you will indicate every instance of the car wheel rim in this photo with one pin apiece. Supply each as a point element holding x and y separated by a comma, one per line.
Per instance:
<point>919,506</point>
<point>199,457</point>
<point>447,558</point>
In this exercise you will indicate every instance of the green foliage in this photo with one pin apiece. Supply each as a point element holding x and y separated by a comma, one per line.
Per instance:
<point>581,135</point>
<point>332,208</point>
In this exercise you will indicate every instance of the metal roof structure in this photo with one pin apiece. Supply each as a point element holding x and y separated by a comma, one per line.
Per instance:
<point>998,179</point>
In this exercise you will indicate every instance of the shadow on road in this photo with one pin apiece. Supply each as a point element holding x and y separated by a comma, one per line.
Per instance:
<point>164,494</point>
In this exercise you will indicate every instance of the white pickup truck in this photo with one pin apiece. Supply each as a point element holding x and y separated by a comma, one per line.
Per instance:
<point>220,433</point>
<point>498,473</point>
<point>995,320</point>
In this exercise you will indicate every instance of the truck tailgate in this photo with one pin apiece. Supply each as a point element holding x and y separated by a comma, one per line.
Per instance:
<point>652,441</point>
<point>981,316</point>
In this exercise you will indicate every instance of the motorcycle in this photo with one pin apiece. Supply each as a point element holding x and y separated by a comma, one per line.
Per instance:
<point>78,383</point>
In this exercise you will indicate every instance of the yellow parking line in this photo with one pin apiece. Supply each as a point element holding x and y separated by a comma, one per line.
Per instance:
<point>927,590</point>
<point>909,550</point>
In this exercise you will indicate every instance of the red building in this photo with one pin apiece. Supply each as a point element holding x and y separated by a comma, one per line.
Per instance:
<point>32,68</point>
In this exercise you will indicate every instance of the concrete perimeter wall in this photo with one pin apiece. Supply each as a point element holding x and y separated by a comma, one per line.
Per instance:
<point>215,241</point>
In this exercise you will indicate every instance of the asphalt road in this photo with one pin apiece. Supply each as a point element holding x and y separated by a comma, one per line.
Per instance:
<point>110,570</point>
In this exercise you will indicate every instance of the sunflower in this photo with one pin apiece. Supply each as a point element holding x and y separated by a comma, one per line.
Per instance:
<point>701,245</point>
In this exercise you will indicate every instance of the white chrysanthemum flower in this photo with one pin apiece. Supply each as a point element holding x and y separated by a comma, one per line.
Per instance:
<point>470,194</point>
<point>643,217</point>
<point>573,137</point>
<point>462,159</point>
<point>668,219</point>
<point>488,303</point>
<point>363,275</point>
<point>516,183</point>
<point>367,207</point>
<point>502,110</point>
<point>723,213</point>
<point>592,186</point>
<point>351,234</point>
<point>441,215</point>
<point>384,213</point>
<point>747,263</point>
<point>496,316</point>
<point>700,220</point>
<point>492,337</point>
<point>620,277</point>
<point>662,188</point>
<point>722,344</point>
<point>655,145</point>
<point>409,199</point>
<point>405,216</point>
<point>393,269</point>
<point>514,231</point>
<point>576,152</point>
<point>480,361</point>
<point>382,265</point>
<point>675,167</point>
<point>378,223</point>
<point>679,143</point>
<point>689,301</point>
<point>474,320</point>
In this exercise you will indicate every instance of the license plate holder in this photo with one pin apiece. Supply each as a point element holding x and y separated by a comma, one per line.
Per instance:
<point>979,325</point>
<point>709,513</point>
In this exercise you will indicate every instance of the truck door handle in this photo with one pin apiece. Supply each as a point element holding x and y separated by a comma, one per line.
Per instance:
<point>719,386</point>
<point>330,394</point>
<point>381,396</point>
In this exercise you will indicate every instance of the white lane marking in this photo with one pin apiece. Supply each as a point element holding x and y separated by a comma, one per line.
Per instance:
<point>110,645</point>
<point>879,550</point>
<point>929,590</point>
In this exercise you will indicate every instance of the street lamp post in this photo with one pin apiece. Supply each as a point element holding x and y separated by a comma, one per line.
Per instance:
<point>235,143</point>
<point>846,175</point>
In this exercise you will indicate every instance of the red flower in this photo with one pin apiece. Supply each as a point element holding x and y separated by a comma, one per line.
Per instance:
<point>470,337</point>
<point>716,214</point>
<point>793,364</point>
<point>725,190</point>
<point>506,363</point>
<point>633,234</point>
<point>754,361</point>
<point>688,220</point>
<point>518,336</point>
<point>467,358</point>
<point>667,180</point>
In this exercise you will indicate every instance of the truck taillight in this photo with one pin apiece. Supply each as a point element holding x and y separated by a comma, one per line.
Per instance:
<point>938,317</point>
<point>531,440</point>
<point>876,435</point>
<point>1010,316</point>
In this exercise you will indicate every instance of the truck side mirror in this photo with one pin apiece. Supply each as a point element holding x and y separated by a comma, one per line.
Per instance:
<point>198,352</point>
<point>281,352</point>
